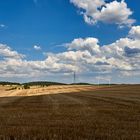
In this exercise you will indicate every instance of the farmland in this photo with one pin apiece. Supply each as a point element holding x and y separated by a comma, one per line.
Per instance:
<point>70,112</point>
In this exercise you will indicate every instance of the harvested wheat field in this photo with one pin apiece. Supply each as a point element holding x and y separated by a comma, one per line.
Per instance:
<point>70,113</point>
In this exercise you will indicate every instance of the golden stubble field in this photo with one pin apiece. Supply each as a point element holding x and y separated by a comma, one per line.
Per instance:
<point>70,113</point>
<point>9,91</point>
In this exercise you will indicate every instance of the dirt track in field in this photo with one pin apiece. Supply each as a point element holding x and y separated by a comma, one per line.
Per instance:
<point>106,113</point>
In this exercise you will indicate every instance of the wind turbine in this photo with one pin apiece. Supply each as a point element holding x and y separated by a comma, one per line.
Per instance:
<point>74,73</point>
<point>106,79</point>
<point>98,79</point>
<point>74,77</point>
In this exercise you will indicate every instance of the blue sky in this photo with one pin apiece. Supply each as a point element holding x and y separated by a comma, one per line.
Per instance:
<point>52,26</point>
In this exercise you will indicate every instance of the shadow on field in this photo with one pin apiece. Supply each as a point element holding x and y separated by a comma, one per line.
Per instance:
<point>113,113</point>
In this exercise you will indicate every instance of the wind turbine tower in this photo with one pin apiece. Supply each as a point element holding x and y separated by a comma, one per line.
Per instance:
<point>74,77</point>
<point>74,73</point>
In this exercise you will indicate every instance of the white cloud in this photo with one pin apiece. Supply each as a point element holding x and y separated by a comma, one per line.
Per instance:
<point>135,32</point>
<point>82,55</point>
<point>37,47</point>
<point>6,52</point>
<point>90,44</point>
<point>114,12</point>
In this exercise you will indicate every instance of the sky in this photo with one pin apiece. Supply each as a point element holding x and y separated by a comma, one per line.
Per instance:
<point>49,40</point>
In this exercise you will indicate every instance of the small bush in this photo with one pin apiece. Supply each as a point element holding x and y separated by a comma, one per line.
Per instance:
<point>26,87</point>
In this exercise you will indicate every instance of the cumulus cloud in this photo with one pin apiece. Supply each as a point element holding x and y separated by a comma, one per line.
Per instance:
<point>90,44</point>
<point>132,51</point>
<point>7,52</point>
<point>83,55</point>
<point>135,32</point>
<point>37,47</point>
<point>113,12</point>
